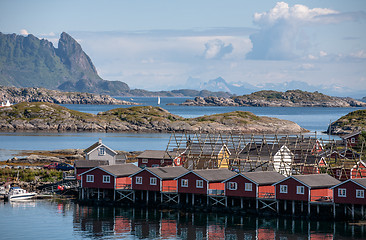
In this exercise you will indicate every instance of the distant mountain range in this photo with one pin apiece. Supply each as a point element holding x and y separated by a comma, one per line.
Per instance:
<point>243,88</point>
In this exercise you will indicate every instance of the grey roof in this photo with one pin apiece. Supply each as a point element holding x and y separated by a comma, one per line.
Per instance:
<point>156,154</point>
<point>215,175</point>
<point>89,163</point>
<point>204,148</point>
<point>351,134</point>
<point>264,178</point>
<point>166,173</point>
<point>121,170</point>
<point>92,147</point>
<point>317,180</point>
<point>361,181</point>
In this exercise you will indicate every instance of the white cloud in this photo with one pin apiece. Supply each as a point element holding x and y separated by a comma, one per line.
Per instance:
<point>281,35</point>
<point>360,54</point>
<point>24,32</point>
<point>216,49</point>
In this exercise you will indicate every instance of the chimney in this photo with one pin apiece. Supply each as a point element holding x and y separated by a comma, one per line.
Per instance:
<point>100,141</point>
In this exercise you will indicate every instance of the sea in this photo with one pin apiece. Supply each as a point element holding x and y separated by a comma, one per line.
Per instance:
<point>50,219</point>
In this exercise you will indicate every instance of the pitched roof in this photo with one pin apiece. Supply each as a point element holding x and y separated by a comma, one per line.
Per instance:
<point>264,178</point>
<point>205,148</point>
<point>215,175</point>
<point>350,135</point>
<point>166,173</point>
<point>156,154</point>
<point>89,163</point>
<point>360,181</point>
<point>97,144</point>
<point>121,170</point>
<point>317,180</point>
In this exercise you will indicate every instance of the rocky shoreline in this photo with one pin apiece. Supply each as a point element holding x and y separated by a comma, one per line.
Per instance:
<point>17,95</point>
<point>54,118</point>
<point>292,98</point>
<point>352,122</point>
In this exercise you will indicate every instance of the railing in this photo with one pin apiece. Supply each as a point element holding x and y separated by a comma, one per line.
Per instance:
<point>321,199</point>
<point>268,195</point>
<point>169,189</point>
<point>123,186</point>
<point>216,192</point>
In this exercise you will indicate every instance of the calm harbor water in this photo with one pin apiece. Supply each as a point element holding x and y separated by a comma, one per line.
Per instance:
<point>313,119</point>
<point>43,219</point>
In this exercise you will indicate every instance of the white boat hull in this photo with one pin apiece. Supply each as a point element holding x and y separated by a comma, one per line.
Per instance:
<point>21,196</point>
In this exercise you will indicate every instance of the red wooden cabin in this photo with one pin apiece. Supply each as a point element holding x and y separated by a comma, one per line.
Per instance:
<point>109,176</point>
<point>315,187</point>
<point>155,158</point>
<point>252,184</point>
<point>157,179</point>
<point>81,166</point>
<point>351,191</point>
<point>204,181</point>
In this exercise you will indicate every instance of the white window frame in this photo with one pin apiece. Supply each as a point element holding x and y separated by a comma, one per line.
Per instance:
<point>199,183</point>
<point>300,190</point>
<point>353,140</point>
<point>232,185</point>
<point>101,151</point>
<point>338,172</point>
<point>138,180</point>
<point>184,182</point>
<point>283,189</point>
<point>106,179</point>
<point>342,192</point>
<point>153,181</point>
<point>89,178</point>
<point>145,160</point>
<point>248,187</point>
<point>360,193</point>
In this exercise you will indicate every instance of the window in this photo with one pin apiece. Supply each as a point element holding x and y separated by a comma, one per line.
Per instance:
<point>184,182</point>
<point>152,181</point>
<point>300,190</point>
<point>101,151</point>
<point>106,179</point>
<point>145,160</point>
<point>199,183</point>
<point>338,172</point>
<point>138,180</point>
<point>342,192</point>
<point>248,187</point>
<point>232,185</point>
<point>353,140</point>
<point>89,178</point>
<point>360,193</point>
<point>283,188</point>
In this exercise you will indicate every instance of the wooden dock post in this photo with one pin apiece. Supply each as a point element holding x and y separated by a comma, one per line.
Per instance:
<point>147,197</point>
<point>192,199</point>
<point>285,205</point>
<point>353,211</point>
<point>334,210</point>
<point>309,208</point>
<point>241,203</point>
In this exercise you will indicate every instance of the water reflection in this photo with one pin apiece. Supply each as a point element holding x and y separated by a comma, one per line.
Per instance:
<point>110,222</point>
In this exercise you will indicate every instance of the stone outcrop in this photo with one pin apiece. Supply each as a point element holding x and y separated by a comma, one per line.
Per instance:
<point>291,98</point>
<point>16,95</point>
<point>52,117</point>
<point>352,122</point>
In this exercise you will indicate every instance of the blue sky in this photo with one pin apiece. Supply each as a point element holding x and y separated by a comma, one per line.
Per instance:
<point>159,44</point>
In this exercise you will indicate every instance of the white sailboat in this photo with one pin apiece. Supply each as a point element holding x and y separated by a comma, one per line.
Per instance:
<point>158,100</point>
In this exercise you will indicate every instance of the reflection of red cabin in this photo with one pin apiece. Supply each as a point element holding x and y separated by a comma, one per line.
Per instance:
<point>264,233</point>
<point>203,181</point>
<point>157,179</point>
<point>359,170</point>
<point>122,225</point>
<point>321,236</point>
<point>305,187</point>
<point>215,232</point>
<point>351,191</point>
<point>252,184</point>
<point>108,177</point>
<point>168,228</point>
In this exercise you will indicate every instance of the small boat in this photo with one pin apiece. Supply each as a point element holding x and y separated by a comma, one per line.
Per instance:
<point>17,193</point>
<point>158,100</point>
